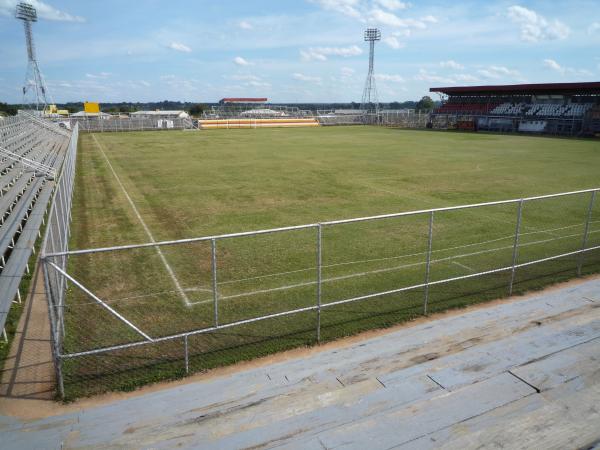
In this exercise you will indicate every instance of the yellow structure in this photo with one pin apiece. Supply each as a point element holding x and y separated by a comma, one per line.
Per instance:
<point>257,123</point>
<point>53,110</point>
<point>91,107</point>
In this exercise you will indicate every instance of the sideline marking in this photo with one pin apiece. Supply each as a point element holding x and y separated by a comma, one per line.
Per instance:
<point>146,229</point>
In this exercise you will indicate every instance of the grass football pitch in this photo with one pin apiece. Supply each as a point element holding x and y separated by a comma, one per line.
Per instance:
<point>137,187</point>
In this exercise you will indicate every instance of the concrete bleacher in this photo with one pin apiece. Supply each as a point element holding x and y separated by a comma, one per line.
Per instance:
<point>31,153</point>
<point>521,373</point>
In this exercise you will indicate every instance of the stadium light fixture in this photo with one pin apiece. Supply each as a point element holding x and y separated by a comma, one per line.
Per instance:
<point>26,12</point>
<point>372,34</point>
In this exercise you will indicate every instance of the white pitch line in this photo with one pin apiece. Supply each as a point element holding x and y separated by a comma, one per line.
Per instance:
<point>146,229</point>
<point>387,269</point>
<point>344,277</point>
<point>410,255</point>
<point>470,269</point>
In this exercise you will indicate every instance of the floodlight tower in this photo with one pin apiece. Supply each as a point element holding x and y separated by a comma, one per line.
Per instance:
<point>34,87</point>
<point>369,102</point>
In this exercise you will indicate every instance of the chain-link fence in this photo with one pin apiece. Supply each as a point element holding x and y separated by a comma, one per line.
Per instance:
<point>124,316</point>
<point>123,124</point>
<point>56,240</point>
<point>385,118</point>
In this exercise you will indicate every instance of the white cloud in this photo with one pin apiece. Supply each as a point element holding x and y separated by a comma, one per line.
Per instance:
<point>308,55</point>
<point>450,64</point>
<point>392,5</point>
<point>551,64</point>
<point>496,72</point>
<point>393,42</point>
<point>466,78</point>
<point>429,19</point>
<point>44,11</point>
<point>432,77</point>
<point>180,84</point>
<point>321,53</point>
<point>346,7</point>
<point>241,61</point>
<point>594,28</point>
<point>378,12</point>
<point>307,78</point>
<point>245,25</point>
<point>390,19</point>
<point>534,27</point>
<point>98,75</point>
<point>347,72</point>
<point>243,77</point>
<point>386,18</point>
<point>250,80</point>
<point>254,83</point>
<point>178,46</point>
<point>144,83</point>
<point>391,78</point>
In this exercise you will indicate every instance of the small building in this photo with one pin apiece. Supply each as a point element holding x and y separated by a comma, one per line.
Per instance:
<point>158,114</point>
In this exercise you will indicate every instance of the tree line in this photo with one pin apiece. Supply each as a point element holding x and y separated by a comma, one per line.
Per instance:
<point>196,109</point>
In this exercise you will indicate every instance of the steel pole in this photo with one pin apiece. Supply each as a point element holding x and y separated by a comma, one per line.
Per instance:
<point>319,278</point>
<point>428,262</point>
<point>515,247</point>
<point>586,232</point>
<point>213,248</point>
<point>187,358</point>
<point>55,344</point>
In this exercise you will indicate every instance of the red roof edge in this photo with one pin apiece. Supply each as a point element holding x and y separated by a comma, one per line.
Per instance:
<point>245,99</point>
<point>524,88</point>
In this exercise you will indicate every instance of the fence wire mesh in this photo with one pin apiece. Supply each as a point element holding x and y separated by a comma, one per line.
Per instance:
<point>129,315</point>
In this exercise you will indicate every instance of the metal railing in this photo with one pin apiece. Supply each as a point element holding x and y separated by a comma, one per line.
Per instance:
<point>125,124</point>
<point>568,231</point>
<point>30,163</point>
<point>56,239</point>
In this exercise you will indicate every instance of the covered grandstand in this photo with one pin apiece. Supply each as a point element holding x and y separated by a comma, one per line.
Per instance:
<point>549,108</point>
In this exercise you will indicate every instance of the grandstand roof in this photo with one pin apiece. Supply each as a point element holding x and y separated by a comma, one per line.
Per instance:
<point>243,100</point>
<point>523,89</point>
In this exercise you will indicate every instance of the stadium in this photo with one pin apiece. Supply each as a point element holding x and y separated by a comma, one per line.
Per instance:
<point>168,245</point>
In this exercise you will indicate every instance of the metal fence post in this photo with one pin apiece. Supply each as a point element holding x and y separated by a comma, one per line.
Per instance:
<point>428,262</point>
<point>586,233</point>
<point>187,358</point>
<point>319,278</point>
<point>515,247</point>
<point>55,344</point>
<point>213,248</point>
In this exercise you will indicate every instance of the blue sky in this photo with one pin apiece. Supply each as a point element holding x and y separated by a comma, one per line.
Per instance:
<point>295,50</point>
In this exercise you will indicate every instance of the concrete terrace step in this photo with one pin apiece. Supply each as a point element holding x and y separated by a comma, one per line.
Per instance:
<point>518,363</point>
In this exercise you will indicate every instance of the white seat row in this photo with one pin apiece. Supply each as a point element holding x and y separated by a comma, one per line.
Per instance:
<point>542,109</point>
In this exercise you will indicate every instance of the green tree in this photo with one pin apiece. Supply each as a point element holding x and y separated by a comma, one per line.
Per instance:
<point>197,109</point>
<point>10,110</point>
<point>425,104</point>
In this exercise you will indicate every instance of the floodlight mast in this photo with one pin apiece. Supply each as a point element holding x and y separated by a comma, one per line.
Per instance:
<point>370,102</point>
<point>34,89</point>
